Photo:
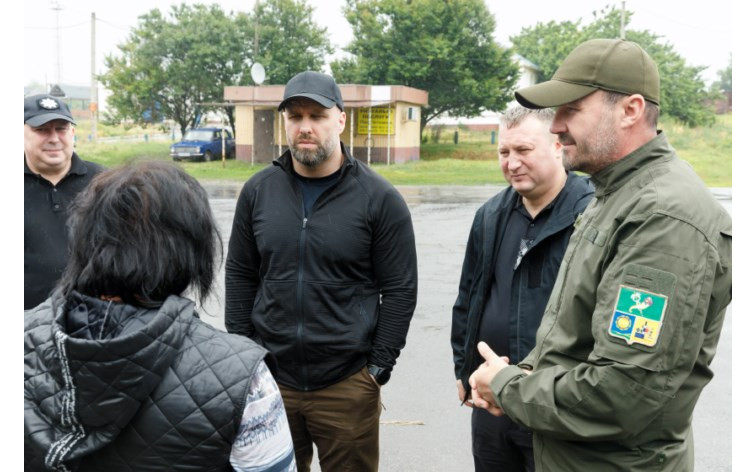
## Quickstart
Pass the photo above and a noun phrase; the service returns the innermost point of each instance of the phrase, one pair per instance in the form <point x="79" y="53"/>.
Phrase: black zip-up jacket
<point x="326" y="294"/>
<point x="532" y="281"/>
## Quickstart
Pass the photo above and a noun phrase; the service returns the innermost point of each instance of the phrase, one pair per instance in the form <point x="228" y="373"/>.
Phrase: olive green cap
<point x="614" y="65"/>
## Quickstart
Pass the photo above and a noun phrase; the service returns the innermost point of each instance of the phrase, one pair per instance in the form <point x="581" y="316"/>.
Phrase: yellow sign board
<point x="379" y="119"/>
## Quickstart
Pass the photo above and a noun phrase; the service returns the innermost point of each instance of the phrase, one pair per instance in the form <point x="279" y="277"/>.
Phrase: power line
<point x="121" y="27"/>
<point x="702" y="28"/>
<point x="53" y="27"/>
<point x="99" y="20"/>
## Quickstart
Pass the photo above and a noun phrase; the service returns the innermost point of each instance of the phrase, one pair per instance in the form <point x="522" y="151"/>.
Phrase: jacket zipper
<point x="300" y="304"/>
<point x="300" y="285"/>
<point x="579" y="230"/>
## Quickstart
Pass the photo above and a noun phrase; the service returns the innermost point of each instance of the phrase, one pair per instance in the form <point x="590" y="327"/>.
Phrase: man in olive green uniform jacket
<point x="632" y="325"/>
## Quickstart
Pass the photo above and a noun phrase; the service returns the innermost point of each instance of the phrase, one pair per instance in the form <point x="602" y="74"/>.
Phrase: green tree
<point x="178" y="65"/>
<point x="289" y="41"/>
<point x="547" y="44"/>
<point x="683" y="91"/>
<point x="170" y="65"/>
<point x="446" y="48"/>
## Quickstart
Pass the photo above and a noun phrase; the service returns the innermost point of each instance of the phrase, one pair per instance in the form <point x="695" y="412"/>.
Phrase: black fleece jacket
<point x="326" y="294"/>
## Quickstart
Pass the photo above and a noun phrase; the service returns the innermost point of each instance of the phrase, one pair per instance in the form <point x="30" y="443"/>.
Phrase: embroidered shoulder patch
<point x="638" y="316"/>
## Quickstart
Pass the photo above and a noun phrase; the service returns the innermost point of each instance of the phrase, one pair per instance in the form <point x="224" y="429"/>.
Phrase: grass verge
<point x="708" y="150"/>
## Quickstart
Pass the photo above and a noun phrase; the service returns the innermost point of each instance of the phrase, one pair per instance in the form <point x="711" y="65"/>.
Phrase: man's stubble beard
<point x="315" y="157"/>
<point x="594" y="153"/>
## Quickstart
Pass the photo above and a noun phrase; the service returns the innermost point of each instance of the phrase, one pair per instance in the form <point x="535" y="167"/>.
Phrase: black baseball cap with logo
<point x="40" y="109"/>
<point x="614" y="65"/>
<point x="315" y="86"/>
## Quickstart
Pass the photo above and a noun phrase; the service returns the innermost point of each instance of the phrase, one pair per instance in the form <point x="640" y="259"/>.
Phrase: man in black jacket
<point x="516" y="245"/>
<point x="322" y="271"/>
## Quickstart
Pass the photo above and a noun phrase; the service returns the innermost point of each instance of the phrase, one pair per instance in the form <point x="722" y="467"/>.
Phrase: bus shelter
<point x="382" y="122"/>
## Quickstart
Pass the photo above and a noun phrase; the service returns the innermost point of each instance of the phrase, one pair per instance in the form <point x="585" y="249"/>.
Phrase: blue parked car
<point x="203" y="144"/>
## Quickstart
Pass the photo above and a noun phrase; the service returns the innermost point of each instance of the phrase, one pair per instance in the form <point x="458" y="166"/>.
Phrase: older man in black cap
<point x="53" y="176"/>
<point x="322" y="271"/>
<point x="632" y="325"/>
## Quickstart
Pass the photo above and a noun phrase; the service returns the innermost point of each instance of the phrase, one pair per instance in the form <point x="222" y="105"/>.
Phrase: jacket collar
<point x="617" y="174"/>
<point x="563" y="210"/>
<point x="285" y="160"/>
<point x="565" y="197"/>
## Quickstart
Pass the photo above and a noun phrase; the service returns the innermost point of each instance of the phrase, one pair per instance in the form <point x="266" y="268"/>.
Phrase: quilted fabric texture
<point x="115" y="387"/>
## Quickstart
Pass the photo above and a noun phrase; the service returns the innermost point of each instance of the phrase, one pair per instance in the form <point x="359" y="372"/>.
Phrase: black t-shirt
<point x="45" y="235"/>
<point x="517" y="239"/>
<point x="312" y="188"/>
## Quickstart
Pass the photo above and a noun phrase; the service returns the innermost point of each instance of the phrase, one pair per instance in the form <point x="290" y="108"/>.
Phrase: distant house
<point x="723" y="104"/>
<point x="528" y="72"/>
<point x="489" y="120"/>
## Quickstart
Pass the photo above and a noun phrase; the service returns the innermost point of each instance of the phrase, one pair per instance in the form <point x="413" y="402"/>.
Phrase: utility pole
<point x="254" y="144"/>
<point x="622" y="22"/>
<point x="257" y="4"/>
<point x="93" y="83"/>
<point x="57" y="8"/>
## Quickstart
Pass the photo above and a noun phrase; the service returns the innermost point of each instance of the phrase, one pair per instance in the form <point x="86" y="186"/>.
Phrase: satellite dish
<point x="258" y="73"/>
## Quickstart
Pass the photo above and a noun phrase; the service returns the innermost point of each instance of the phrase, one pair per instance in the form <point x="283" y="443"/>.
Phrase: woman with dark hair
<point x="119" y="371"/>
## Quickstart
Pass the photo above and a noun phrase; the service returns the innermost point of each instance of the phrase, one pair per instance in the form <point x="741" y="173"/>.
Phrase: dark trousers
<point x="342" y="421"/>
<point x="499" y="444"/>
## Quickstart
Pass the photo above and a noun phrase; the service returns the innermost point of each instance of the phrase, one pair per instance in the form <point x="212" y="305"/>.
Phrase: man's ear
<point x="342" y="122"/>
<point x="633" y="110"/>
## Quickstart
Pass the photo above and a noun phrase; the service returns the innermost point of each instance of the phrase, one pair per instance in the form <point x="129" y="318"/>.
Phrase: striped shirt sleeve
<point x="263" y="442"/>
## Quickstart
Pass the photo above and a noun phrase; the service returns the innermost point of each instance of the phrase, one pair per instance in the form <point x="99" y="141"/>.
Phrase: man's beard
<point x="595" y="152"/>
<point x="315" y="157"/>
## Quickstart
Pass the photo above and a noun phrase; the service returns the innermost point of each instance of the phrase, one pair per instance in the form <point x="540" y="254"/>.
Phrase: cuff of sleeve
<point x="378" y="362"/>
<point x="526" y="363"/>
<point x="505" y="375"/>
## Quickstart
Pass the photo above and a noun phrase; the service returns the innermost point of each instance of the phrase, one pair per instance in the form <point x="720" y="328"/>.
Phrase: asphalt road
<point x="423" y="428"/>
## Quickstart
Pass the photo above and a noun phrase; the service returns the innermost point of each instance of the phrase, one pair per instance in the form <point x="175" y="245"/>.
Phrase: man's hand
<point x="480" y="380"/>
<point x="462" y="394"/>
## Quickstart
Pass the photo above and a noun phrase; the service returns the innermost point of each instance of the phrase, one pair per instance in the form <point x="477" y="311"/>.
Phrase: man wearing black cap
<point x="322" y="271"/>
<point x="632" y="325"/>
<point x="53" y="176"/>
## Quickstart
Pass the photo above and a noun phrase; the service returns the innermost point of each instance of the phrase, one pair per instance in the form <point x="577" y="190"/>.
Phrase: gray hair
<point x="517" y="114"/>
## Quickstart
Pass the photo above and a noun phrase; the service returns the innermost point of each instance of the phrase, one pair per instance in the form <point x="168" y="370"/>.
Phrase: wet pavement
<point x="423" y="428"/>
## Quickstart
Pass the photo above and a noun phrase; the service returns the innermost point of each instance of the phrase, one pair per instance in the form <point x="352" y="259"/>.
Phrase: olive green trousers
<point x="341" y="420"/>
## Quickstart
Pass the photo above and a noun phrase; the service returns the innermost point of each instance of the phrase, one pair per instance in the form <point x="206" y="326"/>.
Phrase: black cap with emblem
<point x="39" y="109"/>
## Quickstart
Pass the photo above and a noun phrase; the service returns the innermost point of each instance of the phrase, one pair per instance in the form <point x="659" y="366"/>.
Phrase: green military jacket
<point x="632" y="325"/>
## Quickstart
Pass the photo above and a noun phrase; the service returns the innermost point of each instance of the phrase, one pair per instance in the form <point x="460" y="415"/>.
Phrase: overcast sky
<point x="702" y="35"/>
